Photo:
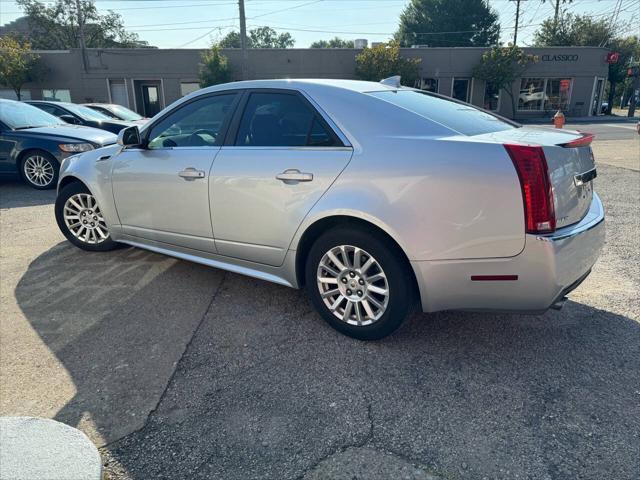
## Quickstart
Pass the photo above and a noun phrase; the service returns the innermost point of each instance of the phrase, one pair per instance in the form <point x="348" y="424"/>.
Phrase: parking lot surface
<point x="178" y="371"/>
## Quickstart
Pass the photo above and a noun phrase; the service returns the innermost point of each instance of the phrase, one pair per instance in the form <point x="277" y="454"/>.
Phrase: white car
<point x="372" y="196"/>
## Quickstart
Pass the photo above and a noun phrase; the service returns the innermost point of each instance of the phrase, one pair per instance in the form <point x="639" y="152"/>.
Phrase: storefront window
<point x="538" y="94"/>
<point x="491" y="96"/>
<point x="531" y="94"/>
<point x="558" y="94"/>
<point x="429" y="84"/>
<point x="188" y="87"/>
<point x="58" y="95"/>
<point x="460" y="89"/>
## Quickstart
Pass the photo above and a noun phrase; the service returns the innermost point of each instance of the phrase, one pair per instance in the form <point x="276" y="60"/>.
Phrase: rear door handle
<point x="294" y="175"/>
<point x="191" y="173"/>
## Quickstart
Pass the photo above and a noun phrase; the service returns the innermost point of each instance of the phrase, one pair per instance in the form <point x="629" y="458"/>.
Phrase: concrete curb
<point x="38" y="448"/>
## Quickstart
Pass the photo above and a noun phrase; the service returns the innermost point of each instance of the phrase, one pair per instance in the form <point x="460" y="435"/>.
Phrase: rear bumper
<point x="548" y="267"/>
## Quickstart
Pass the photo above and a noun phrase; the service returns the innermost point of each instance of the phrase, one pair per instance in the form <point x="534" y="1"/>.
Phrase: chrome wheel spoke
<point x="353" y="285"/>
<point x="84" y="219"/>
<point x="38" y="170"/>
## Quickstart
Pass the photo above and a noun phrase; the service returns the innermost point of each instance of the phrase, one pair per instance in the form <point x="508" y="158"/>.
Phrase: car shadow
<point x="266" y="389"/>
<point x="14" y="193"/>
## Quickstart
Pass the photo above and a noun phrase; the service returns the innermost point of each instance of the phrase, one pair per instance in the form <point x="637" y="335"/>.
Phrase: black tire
<point x="64" y="194"/>
<point x="50" y="165"/>
<point x="391" y="262"/>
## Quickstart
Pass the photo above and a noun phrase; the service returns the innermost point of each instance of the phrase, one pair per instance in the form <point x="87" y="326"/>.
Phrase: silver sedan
<point x="371" y="196"/>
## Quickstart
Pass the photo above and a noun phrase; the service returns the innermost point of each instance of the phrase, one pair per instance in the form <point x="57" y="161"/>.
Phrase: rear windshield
<point x="461" y="117"/>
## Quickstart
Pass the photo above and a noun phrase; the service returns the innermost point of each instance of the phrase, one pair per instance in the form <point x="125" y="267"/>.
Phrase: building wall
<point x="171" y="67"/>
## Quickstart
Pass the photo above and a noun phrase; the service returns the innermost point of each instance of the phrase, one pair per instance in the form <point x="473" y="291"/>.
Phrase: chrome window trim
<point x="319" y="149"/>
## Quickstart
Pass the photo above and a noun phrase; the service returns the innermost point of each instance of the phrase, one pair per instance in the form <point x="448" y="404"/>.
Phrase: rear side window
<point x="281" y="120"/>
<point x="460" y="117"/>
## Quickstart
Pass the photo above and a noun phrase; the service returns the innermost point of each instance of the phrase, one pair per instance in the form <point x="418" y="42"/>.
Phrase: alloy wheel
<point x="83" y="218"/>
<point x="353" y="285"/>
<point x="39" y="170"/>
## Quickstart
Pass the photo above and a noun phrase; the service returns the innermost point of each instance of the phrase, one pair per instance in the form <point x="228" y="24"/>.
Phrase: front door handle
<point x="191" y="173"/>
<point x="294" y="175"/>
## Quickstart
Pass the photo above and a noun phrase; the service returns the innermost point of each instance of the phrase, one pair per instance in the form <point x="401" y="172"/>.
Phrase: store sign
<point x="613" y="57"/>
<point x="559" y="58"/>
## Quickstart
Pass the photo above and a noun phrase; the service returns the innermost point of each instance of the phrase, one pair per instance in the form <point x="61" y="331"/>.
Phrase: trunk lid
<point x="572" y="189"/>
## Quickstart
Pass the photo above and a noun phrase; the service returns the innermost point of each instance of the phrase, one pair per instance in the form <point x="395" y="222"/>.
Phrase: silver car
<point x="371" y="196"/>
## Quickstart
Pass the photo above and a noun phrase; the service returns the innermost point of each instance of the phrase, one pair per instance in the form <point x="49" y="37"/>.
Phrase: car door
<point x="7" y="145"/>
<point x="161" y="191"/>
<point x="280" y="156"/>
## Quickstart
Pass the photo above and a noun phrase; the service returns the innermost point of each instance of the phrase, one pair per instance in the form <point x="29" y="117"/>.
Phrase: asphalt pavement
<point x="180" y="371"/>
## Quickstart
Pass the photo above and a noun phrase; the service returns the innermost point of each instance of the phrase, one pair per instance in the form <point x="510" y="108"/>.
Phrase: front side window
<point x="280" y="120"/>
<point x="196" y="124"/>
<point x="52" y="109"/>
<point x="491" y="96"/>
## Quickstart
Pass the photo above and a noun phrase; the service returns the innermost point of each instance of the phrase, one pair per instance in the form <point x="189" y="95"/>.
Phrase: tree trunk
<point x="18" y="93"/>
<point x="513" y="103"/>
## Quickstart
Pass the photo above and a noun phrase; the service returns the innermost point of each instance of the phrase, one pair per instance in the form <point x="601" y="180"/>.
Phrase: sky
<point x="197" y="23"/>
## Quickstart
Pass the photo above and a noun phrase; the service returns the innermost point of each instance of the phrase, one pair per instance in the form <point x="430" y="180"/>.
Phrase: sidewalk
<point x="619" y="153"/>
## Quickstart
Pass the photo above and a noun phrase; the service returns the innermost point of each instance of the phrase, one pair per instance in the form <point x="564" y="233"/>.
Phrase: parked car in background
<point x="33" y="143"/>
<point x="117" y="112"/>
<point x="80" y="115"/>
<point x="370" y="195"/>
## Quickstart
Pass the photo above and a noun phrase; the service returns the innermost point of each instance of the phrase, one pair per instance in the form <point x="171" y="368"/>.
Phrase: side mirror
<point x="70" y="119"/>
<point x="129" y="137"/>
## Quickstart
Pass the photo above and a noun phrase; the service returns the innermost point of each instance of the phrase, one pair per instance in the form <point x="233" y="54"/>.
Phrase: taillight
<point x="583" y="141"/>
<point x="537" y="193"/>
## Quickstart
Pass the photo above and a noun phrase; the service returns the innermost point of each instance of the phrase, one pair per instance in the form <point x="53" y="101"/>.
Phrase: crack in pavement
<point x="175" y="369"/>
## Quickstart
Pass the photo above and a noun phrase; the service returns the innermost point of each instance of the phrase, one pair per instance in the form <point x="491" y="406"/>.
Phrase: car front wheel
<point x="80" y="219"/>
<point x="40" y="170"/>
<point x="359" y="282"/>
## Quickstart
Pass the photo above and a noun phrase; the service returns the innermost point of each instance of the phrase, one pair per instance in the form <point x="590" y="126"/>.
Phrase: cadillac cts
<point x="371" y="196"/>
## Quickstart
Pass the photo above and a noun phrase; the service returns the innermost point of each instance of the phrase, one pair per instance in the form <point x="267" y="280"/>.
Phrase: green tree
<point x="383" y="61"/>
<point x="335" y="42"/>
<point x="502" y="66"/>
<point x="55" y="26"/>
<point x="18" y="64"/>
<point x="262" y="37"/>
<point x="628" y="48"/>
<point x="583" y="30"/>
<point x="214" y="68"/>
<point x="448" y="23"/>
<point x="575" y="30"/>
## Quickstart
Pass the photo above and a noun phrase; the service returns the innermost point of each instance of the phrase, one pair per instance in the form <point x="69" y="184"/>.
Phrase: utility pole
<point x="635" y="91"/>
<point x="243" y="41"/>
<point x="515" y="34"/>
<point x="81" y="40"/>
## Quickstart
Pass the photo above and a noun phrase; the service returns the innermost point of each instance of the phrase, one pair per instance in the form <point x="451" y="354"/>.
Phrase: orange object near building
<point x="558" y="119"/>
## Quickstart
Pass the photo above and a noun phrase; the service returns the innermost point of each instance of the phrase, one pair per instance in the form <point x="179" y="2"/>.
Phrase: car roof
<point x="54" y="102"/>
<point x="360" y="86"/>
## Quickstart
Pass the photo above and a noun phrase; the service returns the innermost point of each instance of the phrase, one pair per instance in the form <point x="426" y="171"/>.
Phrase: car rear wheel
<point x="80" y="219"/>
<point x="359" y="283"/>
<point x="40" y="170"/>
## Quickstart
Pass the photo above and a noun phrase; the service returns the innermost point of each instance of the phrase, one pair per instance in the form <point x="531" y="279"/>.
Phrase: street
<point x="176" y="370"/>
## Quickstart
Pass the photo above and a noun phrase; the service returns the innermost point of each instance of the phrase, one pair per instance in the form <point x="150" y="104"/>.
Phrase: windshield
<point x="124" y="113"/>
<point x="85" y="112"/>
<point x="20" y="115"/>
<point x="461" y="117"/>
